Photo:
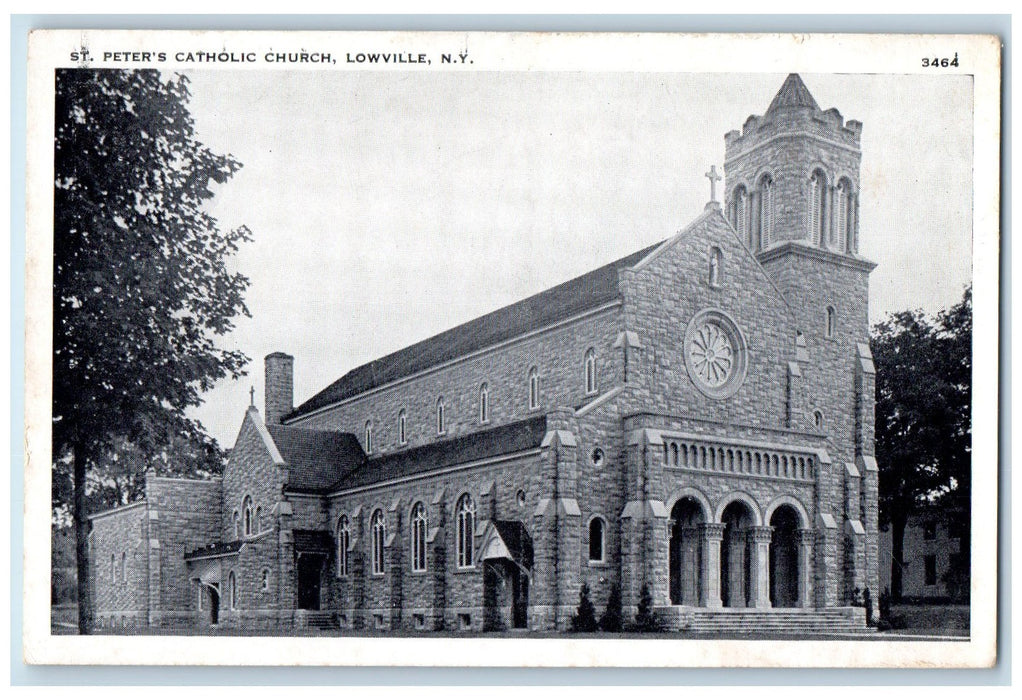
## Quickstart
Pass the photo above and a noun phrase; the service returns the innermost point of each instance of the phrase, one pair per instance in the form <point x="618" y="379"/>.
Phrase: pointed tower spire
<point x="793" y="93"/>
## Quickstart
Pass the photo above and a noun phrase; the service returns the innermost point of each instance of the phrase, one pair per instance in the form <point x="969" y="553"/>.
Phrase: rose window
<point x="715" y="354"/>
<point x="711" y="354"/>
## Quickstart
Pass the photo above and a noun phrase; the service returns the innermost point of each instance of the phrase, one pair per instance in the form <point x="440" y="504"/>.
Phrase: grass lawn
<point x="931" y="619"/>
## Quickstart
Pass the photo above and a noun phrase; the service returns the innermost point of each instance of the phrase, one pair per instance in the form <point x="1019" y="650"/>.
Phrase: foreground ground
<point x="915" y="622"/>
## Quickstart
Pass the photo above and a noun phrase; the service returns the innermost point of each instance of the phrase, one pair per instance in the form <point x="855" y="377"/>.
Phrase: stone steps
<point x="793" y="621"/>
<point x="321" y="620"/>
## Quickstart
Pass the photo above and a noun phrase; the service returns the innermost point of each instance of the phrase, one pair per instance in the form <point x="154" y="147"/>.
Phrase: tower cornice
<point x="798" y="248"/>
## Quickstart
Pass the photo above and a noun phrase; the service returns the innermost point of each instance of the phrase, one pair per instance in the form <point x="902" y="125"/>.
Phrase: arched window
<point x="264" y="580"/>
<point x="232" y="590"/>
<point x="831" y="321"/>
<point x="124" y="567"/>
<point x="237" y="525"/>
<point x="113" y="568"/>
<point x="740" y="212"/>
<point x="484" y="403"/>
<point x="597" y="531"/>
<point x="343" y="542"/>
<point x="369" y="437"/>
<point x="419" y="537"/>
<point x="258" y="525"/>
<point x="441" y="426"/>
<point x="766" y="211"/>
<point x="402" y="421"/>
<point x="466" y="511"/>
<point x="817" y="187"/>
<point x="842" y="216"/>
<point x="818" y="419"/>
<point x="533" y="388"/>
<point x="379" y="532"/>
<point x="715" y="275"/>
<point x="246" y="509"/>
<point x="590" y="369"/>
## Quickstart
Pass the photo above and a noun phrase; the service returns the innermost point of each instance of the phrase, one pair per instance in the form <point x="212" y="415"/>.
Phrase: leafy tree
<point x="923" y="418"/>
<point x="141" y="287"/>
<point x="612" y="618"/>
<point x="584" y="619"/>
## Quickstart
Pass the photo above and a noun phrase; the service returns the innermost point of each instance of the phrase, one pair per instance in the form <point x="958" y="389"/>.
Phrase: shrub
<point x="611" y="620"/>
<point x="584" y="619"/>
<point x="885" y="604"/>
<point x="867" y="600"/>
<point x="645" y="620"/>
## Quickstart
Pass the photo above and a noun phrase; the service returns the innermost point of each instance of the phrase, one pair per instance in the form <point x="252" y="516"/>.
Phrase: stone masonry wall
<point x="601" y="493"/>
<point x="250" y="472"/>
<point x="813" y="282"/>
<point x="494" y="490"/>
<point x="119" y="601"/>
<point x="183" y="514"/>
<point x="558" y="355"/>
<point x="664" y="295"/>
<point x="789" y="149"/>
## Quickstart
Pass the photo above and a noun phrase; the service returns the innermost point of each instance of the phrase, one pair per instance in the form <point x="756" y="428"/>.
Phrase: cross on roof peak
<point x="714" y="178"/>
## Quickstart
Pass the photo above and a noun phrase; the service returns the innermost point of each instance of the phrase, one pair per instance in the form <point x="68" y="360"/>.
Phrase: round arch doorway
<point x="686" y="586"/>
<point x="785" y="522"/>
<point x="734" y="555"/>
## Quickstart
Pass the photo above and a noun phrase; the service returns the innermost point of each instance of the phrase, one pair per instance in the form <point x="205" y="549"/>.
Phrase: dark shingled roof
<point x="563" y="301"/>
<point x="313" y="541"/>
<point x="217" y="549"/>
<point x="504" y="439"/>
<point x="517" y="539"/>
<point x="793" y="93"/>
<point x="315" y="458"/>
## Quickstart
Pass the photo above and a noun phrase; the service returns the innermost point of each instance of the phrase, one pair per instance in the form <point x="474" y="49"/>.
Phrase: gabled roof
<point x="516" y="538"/>
<point x="505" y="439"/>
<point x="315" y="458"/>
<point x="793" y="93"/>
<point x="558" y="303"/>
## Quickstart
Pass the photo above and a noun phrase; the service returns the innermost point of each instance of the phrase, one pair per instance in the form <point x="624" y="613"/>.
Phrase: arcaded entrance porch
<point x="731" y="560"/>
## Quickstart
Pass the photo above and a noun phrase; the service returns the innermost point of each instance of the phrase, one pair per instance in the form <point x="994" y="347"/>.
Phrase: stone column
<point x="805" y="539"/>
<point x="690" y="566"/>
<point x="712" y="534"/>
<point x="759" y="569"/>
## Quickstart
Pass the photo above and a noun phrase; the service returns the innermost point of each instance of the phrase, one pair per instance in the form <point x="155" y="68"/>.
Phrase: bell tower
<point x="792" y="174"/>
<point x="792" y="195"/>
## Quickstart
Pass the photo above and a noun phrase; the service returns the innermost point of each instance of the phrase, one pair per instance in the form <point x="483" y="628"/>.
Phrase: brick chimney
<point x="279" y="386"/>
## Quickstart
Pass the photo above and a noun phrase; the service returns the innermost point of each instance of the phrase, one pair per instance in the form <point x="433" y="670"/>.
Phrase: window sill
<point x="599" y="564"/>
<point x="465" y="570"/>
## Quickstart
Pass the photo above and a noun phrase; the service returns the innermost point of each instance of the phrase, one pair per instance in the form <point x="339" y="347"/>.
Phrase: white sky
<point x="387" y="207"/>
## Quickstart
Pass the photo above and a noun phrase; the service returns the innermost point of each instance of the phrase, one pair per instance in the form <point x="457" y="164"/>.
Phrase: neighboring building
<point x="695" y="418"/>
<point x="929" y="551"/>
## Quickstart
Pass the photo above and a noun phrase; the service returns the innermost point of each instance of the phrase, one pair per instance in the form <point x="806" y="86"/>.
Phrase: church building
<point x="694" y="420"/>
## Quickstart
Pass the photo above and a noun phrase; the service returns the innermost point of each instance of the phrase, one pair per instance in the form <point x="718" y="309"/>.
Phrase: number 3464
<point x="941" y="62"/>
